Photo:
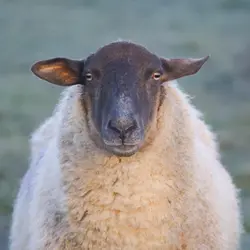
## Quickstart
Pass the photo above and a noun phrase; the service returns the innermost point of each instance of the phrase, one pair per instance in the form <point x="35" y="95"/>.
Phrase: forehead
<point x="123" y="53"/>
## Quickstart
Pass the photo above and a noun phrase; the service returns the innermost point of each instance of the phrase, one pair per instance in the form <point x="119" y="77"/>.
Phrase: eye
<point x="88" y="76"/>
<point x="156" y="76"/>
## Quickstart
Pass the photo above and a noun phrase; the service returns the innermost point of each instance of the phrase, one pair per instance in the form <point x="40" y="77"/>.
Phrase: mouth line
<point x="119" y="144"/>
<point x="122" y="149"/>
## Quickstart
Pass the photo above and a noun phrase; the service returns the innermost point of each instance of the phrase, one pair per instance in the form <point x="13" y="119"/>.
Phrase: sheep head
<point x="122" y="82"/>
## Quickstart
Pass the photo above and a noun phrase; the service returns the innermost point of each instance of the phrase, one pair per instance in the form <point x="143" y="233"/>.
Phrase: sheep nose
<point x="122" y="126"/>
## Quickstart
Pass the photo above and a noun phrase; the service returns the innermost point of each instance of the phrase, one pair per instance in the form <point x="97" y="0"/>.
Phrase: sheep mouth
<point x="123" y="150"/>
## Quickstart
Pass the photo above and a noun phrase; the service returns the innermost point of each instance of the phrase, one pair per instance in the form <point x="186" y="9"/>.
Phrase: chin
<point x="123" y="150"/>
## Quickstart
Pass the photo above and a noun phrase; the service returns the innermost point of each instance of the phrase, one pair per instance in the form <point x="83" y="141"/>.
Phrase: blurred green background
<point x="33" y="30"/>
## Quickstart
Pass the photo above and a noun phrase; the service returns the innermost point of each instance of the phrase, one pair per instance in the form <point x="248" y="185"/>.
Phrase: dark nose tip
<point x="122" y="126"/>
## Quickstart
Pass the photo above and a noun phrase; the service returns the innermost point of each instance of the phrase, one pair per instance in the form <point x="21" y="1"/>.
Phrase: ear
<point x="59" y="71"/>
<point x="179" y="67"/>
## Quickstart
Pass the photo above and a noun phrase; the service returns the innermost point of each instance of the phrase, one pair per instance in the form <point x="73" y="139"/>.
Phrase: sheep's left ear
<point x="180" y="67"/>
<point x="59" y="71"/>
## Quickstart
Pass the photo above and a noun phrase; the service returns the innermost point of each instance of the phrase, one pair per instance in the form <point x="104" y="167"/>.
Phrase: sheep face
<point x="122" y="83"/>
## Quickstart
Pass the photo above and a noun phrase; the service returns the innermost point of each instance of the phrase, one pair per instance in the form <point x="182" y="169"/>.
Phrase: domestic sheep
<point x="125" y="161"/>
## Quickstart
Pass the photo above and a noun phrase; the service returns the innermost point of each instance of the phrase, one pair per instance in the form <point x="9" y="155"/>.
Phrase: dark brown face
<point x="122" y="83"/>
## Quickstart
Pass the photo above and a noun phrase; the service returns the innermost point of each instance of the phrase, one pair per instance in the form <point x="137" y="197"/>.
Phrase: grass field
<point x="34" y="30"/>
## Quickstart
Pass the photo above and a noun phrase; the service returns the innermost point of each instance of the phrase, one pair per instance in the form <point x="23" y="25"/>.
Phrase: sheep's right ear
<point x="59" y="71"/>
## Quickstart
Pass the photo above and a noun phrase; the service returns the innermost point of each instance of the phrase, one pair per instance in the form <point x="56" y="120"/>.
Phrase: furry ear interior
<point x="59" y="71"/>
<point x="180" y="67"/>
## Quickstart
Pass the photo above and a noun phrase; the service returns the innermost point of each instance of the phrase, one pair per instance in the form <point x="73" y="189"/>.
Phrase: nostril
<point x="113" y="127"/>
<point x="131" y="127"/>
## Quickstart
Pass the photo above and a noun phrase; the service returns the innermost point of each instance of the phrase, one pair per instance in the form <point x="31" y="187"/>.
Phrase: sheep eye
<point x="88" y="76"/>
<point x="156" y="76"/>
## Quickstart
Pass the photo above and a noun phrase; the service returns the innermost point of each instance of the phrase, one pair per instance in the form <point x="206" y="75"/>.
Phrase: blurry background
<point x="33" y="30"/>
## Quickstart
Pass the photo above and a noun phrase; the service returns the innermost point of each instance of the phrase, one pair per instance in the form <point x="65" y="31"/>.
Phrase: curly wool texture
<point x="173" y="194"/>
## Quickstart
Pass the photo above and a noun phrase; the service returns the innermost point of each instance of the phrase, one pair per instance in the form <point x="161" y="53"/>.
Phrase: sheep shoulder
<point x="21" y="230"/>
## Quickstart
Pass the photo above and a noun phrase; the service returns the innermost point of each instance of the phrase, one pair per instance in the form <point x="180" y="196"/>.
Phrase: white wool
<point x="173" y="194"/>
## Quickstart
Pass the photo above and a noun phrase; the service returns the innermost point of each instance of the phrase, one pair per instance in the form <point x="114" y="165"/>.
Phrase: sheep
<point x="125" y="161"/>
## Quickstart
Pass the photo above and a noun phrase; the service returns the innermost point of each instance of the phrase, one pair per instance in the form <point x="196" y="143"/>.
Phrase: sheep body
<point x="173" y="194"/>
